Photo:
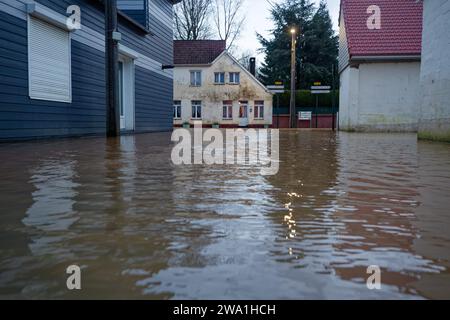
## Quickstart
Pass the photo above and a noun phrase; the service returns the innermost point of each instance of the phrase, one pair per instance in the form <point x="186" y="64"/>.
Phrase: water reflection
<point x="142" y="228"/>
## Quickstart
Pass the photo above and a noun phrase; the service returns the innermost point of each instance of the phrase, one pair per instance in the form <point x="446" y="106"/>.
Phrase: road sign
<point x="320" y="89"/>
<point x="276" y="88"/>
<point x="317" y="83"/>
<point x="305" y="115"/>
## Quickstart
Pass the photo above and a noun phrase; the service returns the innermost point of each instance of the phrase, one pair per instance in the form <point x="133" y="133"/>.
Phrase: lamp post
<point x="293" y="118"/>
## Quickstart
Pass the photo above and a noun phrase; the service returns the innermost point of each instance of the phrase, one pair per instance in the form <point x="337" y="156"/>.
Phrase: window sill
<point x="191" y="86"/>
<point x="234" y="84"/>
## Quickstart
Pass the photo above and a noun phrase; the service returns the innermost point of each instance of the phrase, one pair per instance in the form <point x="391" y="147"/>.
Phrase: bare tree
<point x="243" y="58"/>
<point x="191" y="19"/>
<point x="228" y="19"/>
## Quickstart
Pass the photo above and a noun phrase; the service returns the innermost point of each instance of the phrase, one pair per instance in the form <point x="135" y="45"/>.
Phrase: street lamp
<point x="293" y="118"/>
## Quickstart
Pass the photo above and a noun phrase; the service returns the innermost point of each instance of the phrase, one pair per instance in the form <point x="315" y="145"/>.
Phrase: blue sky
<point x="257" y="20"/>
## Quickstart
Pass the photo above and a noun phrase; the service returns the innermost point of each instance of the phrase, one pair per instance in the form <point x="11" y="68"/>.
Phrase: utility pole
<point x="293" y="117"/>
<point x="112" y="38"/>
<point x="333" y="114"/>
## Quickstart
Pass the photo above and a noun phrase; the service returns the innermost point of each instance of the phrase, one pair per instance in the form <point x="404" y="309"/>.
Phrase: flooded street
<point x="141" y="228"/>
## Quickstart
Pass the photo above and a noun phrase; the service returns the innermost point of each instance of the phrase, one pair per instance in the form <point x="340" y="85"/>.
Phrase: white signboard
<point x="320" y="89"/>
<point x="276" y="89"/>
<point x="305" y="115"/>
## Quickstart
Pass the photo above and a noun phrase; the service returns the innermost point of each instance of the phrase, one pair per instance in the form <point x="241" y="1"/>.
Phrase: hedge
<point x="305" y="100"/>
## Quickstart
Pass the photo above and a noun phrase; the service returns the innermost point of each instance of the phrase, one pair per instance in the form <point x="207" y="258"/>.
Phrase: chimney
<point x="253" y="66"/>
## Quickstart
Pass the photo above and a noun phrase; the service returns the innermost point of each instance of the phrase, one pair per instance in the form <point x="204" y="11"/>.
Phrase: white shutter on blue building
<point x="49" y="57"/>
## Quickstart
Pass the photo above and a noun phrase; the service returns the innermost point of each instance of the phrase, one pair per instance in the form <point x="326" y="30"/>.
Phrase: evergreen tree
<point x="317" y="46"/>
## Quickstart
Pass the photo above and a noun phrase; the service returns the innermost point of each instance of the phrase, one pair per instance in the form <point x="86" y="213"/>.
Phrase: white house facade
<point x="213" y="87"/>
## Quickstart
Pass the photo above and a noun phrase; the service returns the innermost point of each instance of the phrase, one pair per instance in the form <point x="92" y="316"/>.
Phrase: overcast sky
<point x="258" y="20"/>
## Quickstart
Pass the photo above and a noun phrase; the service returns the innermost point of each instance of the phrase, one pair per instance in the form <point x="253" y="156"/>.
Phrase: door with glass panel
<point x="243" y="113"/>
<point x="126" y="93"/>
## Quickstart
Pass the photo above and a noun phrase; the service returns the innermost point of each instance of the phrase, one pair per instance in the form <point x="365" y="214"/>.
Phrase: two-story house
<point x="211" y="86"/>
<point x="52" y="76"/>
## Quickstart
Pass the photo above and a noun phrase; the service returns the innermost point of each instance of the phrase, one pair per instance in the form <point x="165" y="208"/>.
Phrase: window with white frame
<point x="196" y="109"/>
<point x="177" y="109"/>
<point x="227" y="110"/>
<point x="235" y="77"/>
<point x="196" y="78"/>
<point x="49" y="57"/>
<point x="219" y="78"/>
<point x="259" y="109"/>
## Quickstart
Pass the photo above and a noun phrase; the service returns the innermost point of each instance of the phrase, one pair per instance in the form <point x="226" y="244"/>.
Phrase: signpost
<point x="317" y="89"/>
<point x="305" y="115"/>
<point x="276" y="89"/>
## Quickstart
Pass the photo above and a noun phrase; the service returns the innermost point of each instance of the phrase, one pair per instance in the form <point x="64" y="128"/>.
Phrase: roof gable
<point x="249" y="74"/>
<point x="400" y="33"/>
<point x="197" y="52"/>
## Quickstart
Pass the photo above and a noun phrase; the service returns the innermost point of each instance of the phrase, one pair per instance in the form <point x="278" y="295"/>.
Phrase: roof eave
<point x="392" y="57"/>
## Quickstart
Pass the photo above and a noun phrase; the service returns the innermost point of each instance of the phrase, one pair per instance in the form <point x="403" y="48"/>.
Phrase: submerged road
<point x="140" y="227"/>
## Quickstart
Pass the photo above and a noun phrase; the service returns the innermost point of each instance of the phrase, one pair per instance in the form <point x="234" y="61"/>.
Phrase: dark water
<point x="142" y="228"/>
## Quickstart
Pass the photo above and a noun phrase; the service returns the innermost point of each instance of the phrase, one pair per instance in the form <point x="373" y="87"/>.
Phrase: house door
<point x="243" y="113"/>
<point x="126" y="93"/>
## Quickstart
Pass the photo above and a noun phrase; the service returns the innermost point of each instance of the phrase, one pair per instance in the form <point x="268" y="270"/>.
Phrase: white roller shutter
<point x="49" y="62"/>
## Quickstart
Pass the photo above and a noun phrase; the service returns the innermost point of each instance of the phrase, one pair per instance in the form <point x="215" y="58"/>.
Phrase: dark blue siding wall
<point x="22" y="117"/>
<point x="158" y="46"/>
<point x="154" y="95"/>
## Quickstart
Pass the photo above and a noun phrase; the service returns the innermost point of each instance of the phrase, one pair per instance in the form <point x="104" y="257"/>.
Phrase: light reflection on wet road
<point x="143" y="228"/>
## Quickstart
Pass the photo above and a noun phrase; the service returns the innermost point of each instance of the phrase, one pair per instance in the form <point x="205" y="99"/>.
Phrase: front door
<point x="126" y="93"/>
<point x="243" y="113"/>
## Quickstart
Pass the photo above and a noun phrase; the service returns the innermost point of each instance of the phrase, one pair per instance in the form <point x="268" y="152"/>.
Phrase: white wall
<point x="348" y="98"/>
<point x="212" y="95"/>
<point x="435" y="73"/>
<point x="380" y="97"/>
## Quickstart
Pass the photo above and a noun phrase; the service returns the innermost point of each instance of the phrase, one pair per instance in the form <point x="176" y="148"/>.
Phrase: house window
<point x="196" y="78"/>
<point x="196" y="109"/>
<point x="177" y="109"/>
<point x="259" y="109"/>
<point x="219" y="78"/>
<point x="243" y="109"/>
<point x="227" y="110"/>
<point x="49" y="65"/>
<point x="235" y="77"/>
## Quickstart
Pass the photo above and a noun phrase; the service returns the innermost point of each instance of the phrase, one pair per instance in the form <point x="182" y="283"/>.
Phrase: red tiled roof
<point x="400" y="33"/>
<point x="197" y="51"/>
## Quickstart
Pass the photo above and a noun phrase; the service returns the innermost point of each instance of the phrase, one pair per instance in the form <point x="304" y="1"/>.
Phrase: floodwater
<point x="141" y="228"/>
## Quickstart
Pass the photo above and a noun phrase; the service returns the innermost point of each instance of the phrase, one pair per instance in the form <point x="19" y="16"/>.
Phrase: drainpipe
<point x="112" y="38"/>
